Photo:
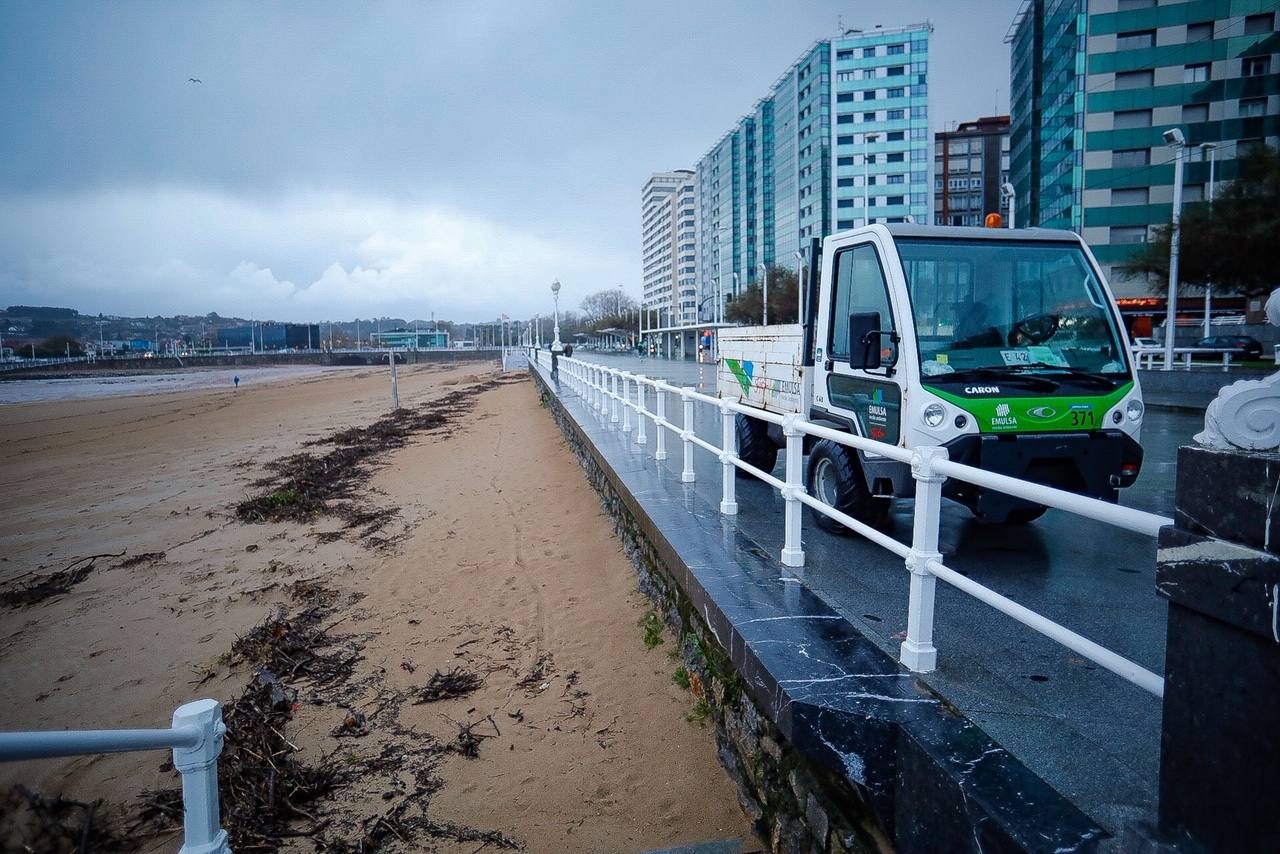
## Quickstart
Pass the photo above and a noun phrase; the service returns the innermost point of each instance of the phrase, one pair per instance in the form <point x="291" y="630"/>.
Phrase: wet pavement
<point x="1090" y="734"/>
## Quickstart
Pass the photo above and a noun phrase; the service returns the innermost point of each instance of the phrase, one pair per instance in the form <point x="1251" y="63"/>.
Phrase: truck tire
<point x="754" y="445"/>
<point x="835" y="477"/>
<point x="1025" y="515"/>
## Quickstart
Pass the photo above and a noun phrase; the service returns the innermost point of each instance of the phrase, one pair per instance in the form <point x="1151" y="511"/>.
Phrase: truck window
<point x="1001" y="304"/>
<point x="860" y="286"/>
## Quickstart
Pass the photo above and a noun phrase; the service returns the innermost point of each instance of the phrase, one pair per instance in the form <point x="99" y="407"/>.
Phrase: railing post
<point x="597" y="384"/>
<point x="793" y="546"/>
<point x="660" y="437"/>
<point x="640" y="412"/>
<point x="626" y="404"/>
<point x="918" y="652"/>
<point x="199" y="768"/>
<point x="686" y="431"/>
<point x="728" y="450"/>
<point x="613" y="379"/>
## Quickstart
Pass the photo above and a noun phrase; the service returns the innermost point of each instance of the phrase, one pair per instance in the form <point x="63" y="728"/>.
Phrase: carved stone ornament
<point x="1246" y="414"/>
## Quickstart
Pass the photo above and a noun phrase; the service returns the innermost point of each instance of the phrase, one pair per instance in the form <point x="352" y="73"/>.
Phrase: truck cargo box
<point x="761" y="366"/>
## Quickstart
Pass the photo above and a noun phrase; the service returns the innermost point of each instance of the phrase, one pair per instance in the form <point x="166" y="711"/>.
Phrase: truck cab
<point x="1003" y="346"/>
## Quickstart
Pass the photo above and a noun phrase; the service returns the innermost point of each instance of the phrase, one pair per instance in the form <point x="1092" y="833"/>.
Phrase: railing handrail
<point x="195" y="736"/>
<point x="930" y="467"/>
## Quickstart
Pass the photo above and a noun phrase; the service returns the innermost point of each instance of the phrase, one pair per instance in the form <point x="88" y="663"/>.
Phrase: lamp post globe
<point x="556" y="346"/>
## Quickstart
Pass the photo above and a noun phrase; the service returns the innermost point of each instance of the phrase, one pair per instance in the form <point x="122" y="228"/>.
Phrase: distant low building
<point x="270" y="336"/>
<point x="409" y="339"/>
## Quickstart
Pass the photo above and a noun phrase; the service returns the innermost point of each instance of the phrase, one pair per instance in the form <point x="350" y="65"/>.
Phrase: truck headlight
<point x="1134" y="410"/>
<point x="934" y="414"/>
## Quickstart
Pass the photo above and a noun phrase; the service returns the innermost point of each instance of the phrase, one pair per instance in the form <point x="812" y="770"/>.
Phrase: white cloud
<point x="304" y="256"/>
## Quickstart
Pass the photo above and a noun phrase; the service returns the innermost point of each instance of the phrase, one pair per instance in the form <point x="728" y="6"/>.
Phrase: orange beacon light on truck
<point x="994" y="220"/>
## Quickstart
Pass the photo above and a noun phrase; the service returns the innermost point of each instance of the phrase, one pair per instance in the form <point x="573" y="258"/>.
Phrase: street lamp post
<point x="1175" y="140"/>
<point x="556" y="346"/>
<point x="1006" y="190"/>
<point x="764" y="272"/>
<point x="1211" y="149"/>
<point x="866" y="177"/>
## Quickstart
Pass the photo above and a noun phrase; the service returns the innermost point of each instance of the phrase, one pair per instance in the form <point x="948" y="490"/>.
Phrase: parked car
<point x="1146" y="343"/>
<point x="1242" y="346"/>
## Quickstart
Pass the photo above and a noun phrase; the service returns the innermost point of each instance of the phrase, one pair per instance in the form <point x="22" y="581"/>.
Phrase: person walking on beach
<point x="236" y="379"/>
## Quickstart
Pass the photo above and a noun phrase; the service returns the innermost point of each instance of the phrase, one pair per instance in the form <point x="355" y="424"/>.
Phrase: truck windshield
<point x="998" y="305"/>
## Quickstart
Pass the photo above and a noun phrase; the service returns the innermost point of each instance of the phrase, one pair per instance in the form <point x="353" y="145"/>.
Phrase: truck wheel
<point x="1025" y="515"/>
<point x="754" y="445"/>
<point x="835" y="477"/>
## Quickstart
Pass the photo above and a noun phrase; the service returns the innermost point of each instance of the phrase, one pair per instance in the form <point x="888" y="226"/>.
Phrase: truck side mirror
<point x="864" y="340"/>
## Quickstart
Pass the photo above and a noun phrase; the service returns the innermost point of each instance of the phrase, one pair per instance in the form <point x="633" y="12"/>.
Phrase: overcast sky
<point x="386" y="158"/>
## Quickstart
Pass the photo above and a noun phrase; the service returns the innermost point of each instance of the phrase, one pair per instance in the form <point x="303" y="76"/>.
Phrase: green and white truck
<point x="1003" y="346"/>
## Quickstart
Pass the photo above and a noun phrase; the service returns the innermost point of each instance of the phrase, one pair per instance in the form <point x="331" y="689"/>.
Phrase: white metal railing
<point x="1149" y="357"/>
<point x="606" y="390"/>
<point x="195" y="737"/>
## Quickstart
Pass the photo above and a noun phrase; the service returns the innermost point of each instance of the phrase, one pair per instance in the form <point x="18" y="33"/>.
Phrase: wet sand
<point x="503" y="564"/>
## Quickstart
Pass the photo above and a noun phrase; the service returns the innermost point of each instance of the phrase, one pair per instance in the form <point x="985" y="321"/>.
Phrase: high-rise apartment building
<point x="668" y="224"/>
<point x="1211" y="69"/>
<point x="970" y="164"/>
<point x="1095" y="83"/>
<point x="840" y="139"/>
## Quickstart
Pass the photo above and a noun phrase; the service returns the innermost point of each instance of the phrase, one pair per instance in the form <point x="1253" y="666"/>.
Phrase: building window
<point x="844" y="203"/>
<point x="844" y="182"/>
<point x="1131" y="5"/>
<point x="844" y="54"/>
<point x="844" y="97"/>
<point x="868" y="52"/>
<point x="846" y="119"/>
<point x="1255" y="66"/>
<point x="844" y="140"/>
<point x="1135" y="79"/>
<point x="894" y="157"/>
<point x="1252" y="107"/>
<point x="1201" y="32"/>
<point x="894" y="115"/>
<point x="1195" y="73"/>
<point x="895" y="49"/>
<point x="895" y="136"/>
<point x="1136" y="40"/>
<point x="1128" y="234"/>
<point x="1128" y="158"/>
<point x="1195" y="113"/>
<point x="1193" y="192"/>
<point x="869" y="95"/>
<point x="871" y="158"/>
<point x="844" y="161"/>
<point x="868" y="117"/>
<point x="896" y="92"/>
<point x="897" y="179"/>
<point x="897" y="70"/>
<point x="1259" y="25"/>
<point x="1130" y="196"/>
<point x="895" y="200"/>
<point x="1125" y="119"/>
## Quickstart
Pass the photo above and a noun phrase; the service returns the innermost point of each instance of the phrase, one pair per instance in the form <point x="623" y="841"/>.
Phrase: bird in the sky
<point x="194" y="80"/>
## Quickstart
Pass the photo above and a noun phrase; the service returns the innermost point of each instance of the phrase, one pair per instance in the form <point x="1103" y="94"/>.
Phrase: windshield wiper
<point x="1087" y="377"/>
<point x="1006" y="374"/>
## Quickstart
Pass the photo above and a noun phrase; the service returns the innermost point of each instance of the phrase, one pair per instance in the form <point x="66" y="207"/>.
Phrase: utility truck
<point x="1003" y="346"/>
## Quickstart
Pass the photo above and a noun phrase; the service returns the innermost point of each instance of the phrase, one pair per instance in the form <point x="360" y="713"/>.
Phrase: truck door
<point x="870" y="399"/>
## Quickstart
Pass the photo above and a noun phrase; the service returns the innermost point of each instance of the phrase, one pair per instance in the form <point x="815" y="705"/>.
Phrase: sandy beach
<point x="490" y="683"/>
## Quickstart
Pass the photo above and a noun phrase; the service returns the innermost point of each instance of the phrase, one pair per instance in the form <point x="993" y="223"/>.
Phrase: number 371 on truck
<point x="1003" y="346"/>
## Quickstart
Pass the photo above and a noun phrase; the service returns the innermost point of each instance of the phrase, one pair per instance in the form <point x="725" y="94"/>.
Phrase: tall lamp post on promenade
<point x="1006" y="190"/>
<point x="556" y="346"/>
<point x="1174" y="138"/>
<point x="867" y="139"/>
<point x="764" y="271"/>
<point x="1211" y="149"/>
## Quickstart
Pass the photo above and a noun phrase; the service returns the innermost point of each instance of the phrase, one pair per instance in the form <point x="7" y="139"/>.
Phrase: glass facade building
<point x="842" y="137"/>
<point x="1094" y="85"/>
